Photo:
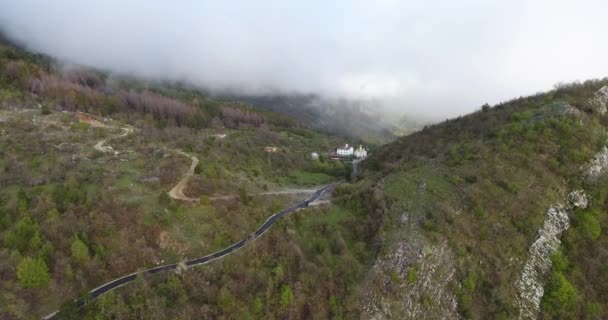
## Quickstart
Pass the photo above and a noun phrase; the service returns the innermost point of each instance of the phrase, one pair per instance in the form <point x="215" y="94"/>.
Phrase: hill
<point x="86" y="164"/>
<point x="477" y="207"/>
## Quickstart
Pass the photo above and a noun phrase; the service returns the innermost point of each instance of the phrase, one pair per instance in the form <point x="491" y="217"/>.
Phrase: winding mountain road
<point x="116" y="283"/>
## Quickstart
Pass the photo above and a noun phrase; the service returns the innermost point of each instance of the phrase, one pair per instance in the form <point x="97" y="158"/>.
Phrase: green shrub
<point x="560" y="296"/>
<point x="21" y="236"/>
<point x="286" y="296"/>
<point x="589" y="226"/>
<point x="412" y="274"/>
<point x="32" y="273"/>
<point x="79" y="250"/>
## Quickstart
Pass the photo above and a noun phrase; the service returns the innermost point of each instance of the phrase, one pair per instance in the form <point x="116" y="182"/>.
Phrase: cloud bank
<point x="436" y="58"/>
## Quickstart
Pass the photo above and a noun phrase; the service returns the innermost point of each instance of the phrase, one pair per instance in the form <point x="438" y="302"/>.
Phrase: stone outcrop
<point x="597" y="166"/>
<point x="389" y="294"/>
<point x="600" y="101"/>
<point x="531" y="283"/>
<point x="578" y="199"/>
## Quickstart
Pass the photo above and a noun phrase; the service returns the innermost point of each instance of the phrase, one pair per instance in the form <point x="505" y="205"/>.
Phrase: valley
<point x="127" y="198"/>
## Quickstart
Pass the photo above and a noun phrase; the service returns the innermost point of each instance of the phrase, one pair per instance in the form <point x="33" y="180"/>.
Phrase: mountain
<point x="499" y="214"/>
<point x="357" y="120"/>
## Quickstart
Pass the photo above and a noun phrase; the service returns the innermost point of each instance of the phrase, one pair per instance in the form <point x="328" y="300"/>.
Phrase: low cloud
<point x="433" y="58"/>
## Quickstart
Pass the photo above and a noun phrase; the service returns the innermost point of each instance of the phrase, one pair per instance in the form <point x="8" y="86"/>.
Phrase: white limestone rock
<point x="530" y="285"/>
<point x="597" y="166"/>
<point x="578" y="199"/>
<point x="600" y="101"/>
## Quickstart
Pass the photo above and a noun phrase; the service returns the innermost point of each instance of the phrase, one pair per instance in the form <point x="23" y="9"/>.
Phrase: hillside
<point x="477" y="206"/>
<point x="86" y="165"/>
<point x="499" y="214"/>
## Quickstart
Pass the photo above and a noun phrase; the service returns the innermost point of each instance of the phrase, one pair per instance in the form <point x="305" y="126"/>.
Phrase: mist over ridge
<point x="435" y="59"/>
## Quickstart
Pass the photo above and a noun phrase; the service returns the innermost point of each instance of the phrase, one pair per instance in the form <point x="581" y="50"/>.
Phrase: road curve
<point x="178" y="191"/>
<point x="116" y="283"/>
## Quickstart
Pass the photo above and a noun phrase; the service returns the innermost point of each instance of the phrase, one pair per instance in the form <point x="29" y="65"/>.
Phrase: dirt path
<point x="177" y="192"/>
<point x="280" y="192"/>
<point x="101" y="144"/>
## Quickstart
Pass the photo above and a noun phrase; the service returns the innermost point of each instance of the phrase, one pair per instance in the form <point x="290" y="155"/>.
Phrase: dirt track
<point x="101" y="144"/>
<point x="178" y="191"/>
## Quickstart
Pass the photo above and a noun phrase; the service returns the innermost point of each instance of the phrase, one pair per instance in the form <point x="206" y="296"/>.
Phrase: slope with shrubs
<point x="72" y="217"/>
<point x="466" y="199"/>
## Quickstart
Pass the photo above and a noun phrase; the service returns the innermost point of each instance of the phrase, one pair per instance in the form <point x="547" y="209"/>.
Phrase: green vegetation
<point x="578" y="282"/>
<point x="560" y="297"/>
<point x="84" y="217"/>
<point x="483" y="183"/>
<point x="32" y="273"/>
<point x="311" y="178"/>
<point x="72" y="217"/>
<point x="79" y="250"/>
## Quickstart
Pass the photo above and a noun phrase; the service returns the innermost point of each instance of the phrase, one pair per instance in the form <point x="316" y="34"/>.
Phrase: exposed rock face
<point x="578" y="199"/>
<point x="600" y="101"/>
<point x="597" y="166"/>
<point x="530" y="285"/>
<point x="389" y="294"/>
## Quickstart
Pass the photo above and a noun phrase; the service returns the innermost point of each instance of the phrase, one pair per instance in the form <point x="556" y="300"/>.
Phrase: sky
<point x="433" y="58"/>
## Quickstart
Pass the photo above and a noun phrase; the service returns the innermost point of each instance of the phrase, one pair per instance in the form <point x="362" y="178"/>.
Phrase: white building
<point x="345" y="151"/>
<point x="360" y="153"/>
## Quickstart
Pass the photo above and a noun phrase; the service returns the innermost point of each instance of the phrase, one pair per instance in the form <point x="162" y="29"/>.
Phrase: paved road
<point x="199" y="261"/>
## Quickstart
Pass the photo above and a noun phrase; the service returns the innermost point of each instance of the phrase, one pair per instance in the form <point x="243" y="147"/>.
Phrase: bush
<point x="286" y="296"/>
<point x="412" y="274"/>
<point x="589" y="226"/>
<point x="79" y="250"/>
<point x="32" y="273"/>
<point x="21" y="236"/>
<point x="560" y="296"/>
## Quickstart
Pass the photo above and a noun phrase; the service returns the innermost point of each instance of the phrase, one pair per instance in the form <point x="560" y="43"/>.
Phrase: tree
<point x="80" y="251"/>
<point x="258" y="307"/>
<point x="20" y="237"/>
<point x="286" y="296"/>
<point x="589" y="226"/>
<point x="560" y="297"/>
<point x="226" y="300"/>
<point x="32" y="273"/>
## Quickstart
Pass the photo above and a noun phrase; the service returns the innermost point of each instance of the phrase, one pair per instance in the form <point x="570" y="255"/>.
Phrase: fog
<point x="428" y="58"/>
